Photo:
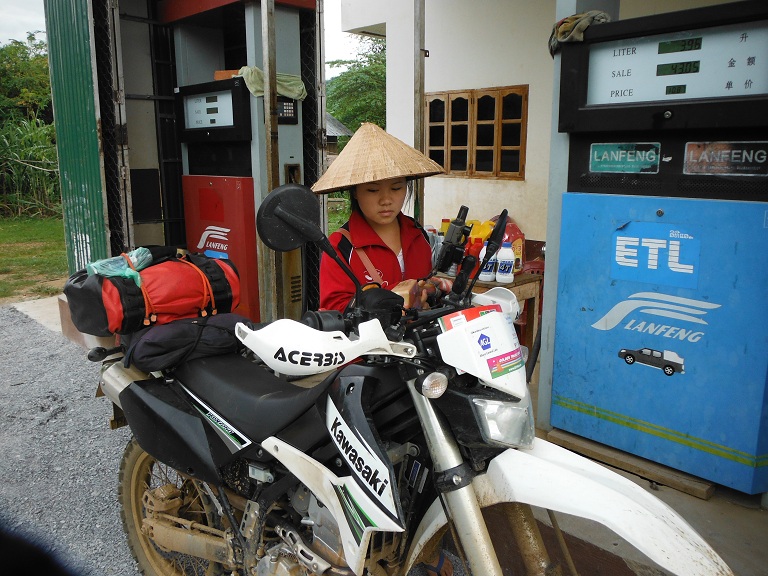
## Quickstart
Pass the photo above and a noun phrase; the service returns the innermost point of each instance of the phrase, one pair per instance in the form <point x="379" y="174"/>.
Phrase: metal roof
<point x="335" y="128"/>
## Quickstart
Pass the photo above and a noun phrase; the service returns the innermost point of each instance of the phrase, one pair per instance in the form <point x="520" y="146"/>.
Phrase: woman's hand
<point x="411" y="292"/>
<point x="415" y="293"/>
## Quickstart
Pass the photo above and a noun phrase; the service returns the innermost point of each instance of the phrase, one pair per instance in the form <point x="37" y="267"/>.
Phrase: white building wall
<point x="472" y="45"/>
<point x="637" y="8"/>
<point x="487" y="44"/>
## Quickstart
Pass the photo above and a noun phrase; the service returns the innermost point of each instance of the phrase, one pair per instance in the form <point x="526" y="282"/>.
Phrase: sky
<point x="17" y="17"/>
<point x="20" y="17"/>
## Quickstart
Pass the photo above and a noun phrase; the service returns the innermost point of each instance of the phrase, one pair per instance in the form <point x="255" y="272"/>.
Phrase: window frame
<point x="447" y="124"/>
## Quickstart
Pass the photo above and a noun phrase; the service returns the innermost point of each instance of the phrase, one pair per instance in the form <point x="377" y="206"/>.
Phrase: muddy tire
<point x="138" y="472"/>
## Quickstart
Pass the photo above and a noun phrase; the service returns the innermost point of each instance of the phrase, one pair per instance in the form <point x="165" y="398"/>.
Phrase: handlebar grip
<point x="324" y="320"/>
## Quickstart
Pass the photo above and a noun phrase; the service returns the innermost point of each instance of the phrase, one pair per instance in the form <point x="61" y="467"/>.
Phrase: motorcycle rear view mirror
<point x="286" y="218"/>
<point x="286" y="221"/>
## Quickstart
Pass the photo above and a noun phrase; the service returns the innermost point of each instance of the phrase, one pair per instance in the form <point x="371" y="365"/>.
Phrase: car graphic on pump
<point x="667" y="361"/>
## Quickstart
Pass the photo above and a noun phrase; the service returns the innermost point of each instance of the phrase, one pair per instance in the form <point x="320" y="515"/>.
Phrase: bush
<point x="29" y="179"/>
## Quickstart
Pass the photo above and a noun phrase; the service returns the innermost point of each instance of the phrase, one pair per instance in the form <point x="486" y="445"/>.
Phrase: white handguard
<point x="295" y="349"/>
<point x="504" y="297"/>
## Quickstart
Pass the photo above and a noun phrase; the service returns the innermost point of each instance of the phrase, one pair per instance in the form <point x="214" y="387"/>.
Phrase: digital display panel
<point x="723" y="62"/>
<point x="691" y="67"/>
<point x="676" y="89"/>
<point x="215" y="111"/>
<point x="696" y="68"/>
<point x="199" y="114"/>
<point x="682" y="45"/>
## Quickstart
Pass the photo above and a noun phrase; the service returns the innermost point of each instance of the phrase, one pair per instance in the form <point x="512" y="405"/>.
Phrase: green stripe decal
<point x="700" y="444"/>
<point x="357" y="519"/>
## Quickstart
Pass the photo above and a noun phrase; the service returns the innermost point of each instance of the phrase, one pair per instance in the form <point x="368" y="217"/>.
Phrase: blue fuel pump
<point x="661" y="346"/>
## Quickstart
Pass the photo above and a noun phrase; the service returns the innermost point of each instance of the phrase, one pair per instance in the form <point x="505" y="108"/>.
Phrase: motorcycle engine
<point x="325" y="531"/>
<point x="280" y="562"/>
<point x="282" y="559"/>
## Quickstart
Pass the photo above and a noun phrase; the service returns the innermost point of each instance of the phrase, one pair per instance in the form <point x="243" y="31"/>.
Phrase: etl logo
<point x="656" y="254"/>
<point x="484" y="341"/>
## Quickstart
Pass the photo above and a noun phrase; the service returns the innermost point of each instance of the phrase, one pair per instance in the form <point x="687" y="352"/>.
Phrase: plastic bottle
<point x="506" y="270"/>
<point x="118" y="265"/>
<point x="488" y="273"/>
<point x="515" y="236"/>
<point x="483" y="230"/>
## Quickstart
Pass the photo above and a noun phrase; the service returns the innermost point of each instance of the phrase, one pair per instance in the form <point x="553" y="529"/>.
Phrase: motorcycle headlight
<point x="505" y="423"/>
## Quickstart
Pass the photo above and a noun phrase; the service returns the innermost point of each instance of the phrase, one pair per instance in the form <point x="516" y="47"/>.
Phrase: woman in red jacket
<point x="380" y="243"/>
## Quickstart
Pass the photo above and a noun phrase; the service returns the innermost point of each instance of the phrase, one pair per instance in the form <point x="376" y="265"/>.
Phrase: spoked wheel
<point x="140" y="472"/>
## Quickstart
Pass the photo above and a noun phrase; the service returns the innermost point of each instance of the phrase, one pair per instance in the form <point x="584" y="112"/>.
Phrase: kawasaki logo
<point x="220" y="423"/>
<point x="212" y="233"/>
<point x="361" y="458"/>
<point x="371" y="476"/>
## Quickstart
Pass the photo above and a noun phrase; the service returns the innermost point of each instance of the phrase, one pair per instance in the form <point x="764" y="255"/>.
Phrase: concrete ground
<point x="734" y="524"/>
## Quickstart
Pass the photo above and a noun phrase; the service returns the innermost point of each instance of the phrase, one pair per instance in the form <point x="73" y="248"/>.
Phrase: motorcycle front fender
<point x="550" y="477"/>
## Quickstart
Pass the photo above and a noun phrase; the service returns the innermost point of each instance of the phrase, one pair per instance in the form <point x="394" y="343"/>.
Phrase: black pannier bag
<point x="164" y="346"/>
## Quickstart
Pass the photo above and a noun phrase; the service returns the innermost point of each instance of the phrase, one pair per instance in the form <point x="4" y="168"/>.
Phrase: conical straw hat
<point x="371" y="155"/>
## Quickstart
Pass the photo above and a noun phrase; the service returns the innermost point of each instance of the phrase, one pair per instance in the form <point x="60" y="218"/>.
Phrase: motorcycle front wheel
<point x="140" y="472"/>
<point x="531" y="547"/>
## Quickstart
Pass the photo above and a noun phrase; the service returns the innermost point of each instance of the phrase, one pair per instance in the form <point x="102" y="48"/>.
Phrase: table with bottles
<point x="527" y="289"/>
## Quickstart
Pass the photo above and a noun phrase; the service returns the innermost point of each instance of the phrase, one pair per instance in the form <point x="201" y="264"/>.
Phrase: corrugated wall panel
<point x="76" y="116"/>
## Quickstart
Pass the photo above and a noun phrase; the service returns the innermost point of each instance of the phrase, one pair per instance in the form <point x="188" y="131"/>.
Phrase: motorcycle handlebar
<point x="325" y="320"/>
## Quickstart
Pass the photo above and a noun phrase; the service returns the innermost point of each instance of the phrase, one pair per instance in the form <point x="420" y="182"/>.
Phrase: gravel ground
<point x="60" y="460"/>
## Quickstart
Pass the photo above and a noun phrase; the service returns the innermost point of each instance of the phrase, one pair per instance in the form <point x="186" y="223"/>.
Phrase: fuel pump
<point x="662" y="322"/>
<point x="222" y="130"/>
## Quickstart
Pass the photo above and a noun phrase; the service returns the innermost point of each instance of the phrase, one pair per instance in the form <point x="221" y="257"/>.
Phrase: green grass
<point x="338" y="214"/>
<point x="33" y="257"/>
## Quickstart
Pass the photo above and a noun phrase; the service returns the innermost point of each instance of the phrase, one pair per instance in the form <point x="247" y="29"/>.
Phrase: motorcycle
<point x="351" y="444"/>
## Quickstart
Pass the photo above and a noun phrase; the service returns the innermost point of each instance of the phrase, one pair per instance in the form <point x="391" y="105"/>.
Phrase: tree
<point x="25" y="88"/>
<point x="29" y="183"/>
<point x="359" y="94"/>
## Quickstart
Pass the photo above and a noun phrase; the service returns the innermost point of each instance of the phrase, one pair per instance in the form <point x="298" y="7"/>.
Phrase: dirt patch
<point x="33" y="291"/>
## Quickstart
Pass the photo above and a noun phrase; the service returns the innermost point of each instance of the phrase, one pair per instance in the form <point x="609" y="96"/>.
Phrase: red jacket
<point x="336" y="289"/>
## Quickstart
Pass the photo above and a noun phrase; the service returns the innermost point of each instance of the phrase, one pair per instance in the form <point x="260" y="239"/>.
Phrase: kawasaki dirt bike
<point x="353" y="443"/>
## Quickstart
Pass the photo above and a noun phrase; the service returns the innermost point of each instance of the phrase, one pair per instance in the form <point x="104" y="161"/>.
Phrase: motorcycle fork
<point x="464" y="509"/>
<point x="461" y="503"/>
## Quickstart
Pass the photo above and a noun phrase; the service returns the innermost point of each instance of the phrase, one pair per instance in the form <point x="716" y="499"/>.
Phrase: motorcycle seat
<point x="248" y="395"/>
